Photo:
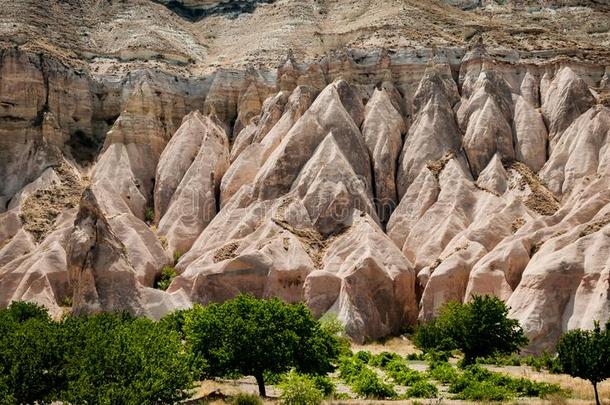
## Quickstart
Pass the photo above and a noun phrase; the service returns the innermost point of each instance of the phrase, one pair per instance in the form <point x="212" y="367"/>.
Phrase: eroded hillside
<point x="374" y="160"/>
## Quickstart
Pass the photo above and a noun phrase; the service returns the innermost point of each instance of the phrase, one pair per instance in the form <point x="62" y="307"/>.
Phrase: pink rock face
<point x="186" y="196"/>
<point x="373" y="186"/>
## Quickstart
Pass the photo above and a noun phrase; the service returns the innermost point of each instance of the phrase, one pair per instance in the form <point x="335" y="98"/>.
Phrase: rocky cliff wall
<point x="375" y="185"/>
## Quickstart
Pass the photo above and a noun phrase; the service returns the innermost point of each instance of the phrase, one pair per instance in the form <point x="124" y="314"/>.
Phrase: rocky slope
<point x="373" y="183"/>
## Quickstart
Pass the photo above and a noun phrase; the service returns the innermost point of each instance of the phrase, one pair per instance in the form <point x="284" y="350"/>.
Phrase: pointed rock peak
<point x="494" y="177"/>
<point x="492" y="83"/>
<point x="387" y="90"/>
<point x="289" y="62"/>
<point x="477" y="51"/>
<point x="89" y="208"/>
<point x="453" y="169"/>
<point x="435" y="87"/>
<point x="380" y="95"/>
<point x="300" y="99"/>
<point x="193" y="115"/>
<point x="567" y="97"/>
<point x="250" y="93"/>
<point x="351" y="99"/>
<point x="211" y="115"/>
<point x="328" y="154"/>
<point x="566" y="75"/>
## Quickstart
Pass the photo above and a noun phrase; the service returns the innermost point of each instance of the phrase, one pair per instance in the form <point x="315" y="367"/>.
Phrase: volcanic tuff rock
<point x="374" y="181"/>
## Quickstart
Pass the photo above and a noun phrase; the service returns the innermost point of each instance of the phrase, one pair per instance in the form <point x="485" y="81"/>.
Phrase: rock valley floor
<point x="372" y="182"/>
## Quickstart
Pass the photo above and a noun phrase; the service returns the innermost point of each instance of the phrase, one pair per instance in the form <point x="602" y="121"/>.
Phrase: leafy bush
<point x="20" y="311"/>
<point x="484" y="391"/>
<point x="149" y="215"/>
<point x="165" y="278"/>
<point x="325" y="384"/>
<point x="174" y="321"/>
<point x="364" y="356"/>
<point x="479" y="384"/>
<point x="350" y="368"/>
<point x="422" y="389"/>
<point x="398" y="370"/>
<point x="479" y="328"/>
<point x="286" y="336"/>
<point x="499" y="360"/>
<point x="436" y="356"/>
<point x="443" y="372"/>
<point x="246" y="399"/>
<point x="368" y="385"/>
<point x="299" y="389"/>
<point x="274" y="378"/>
<point x="546" y="361"/>
<point x="177" y="256"/>
<point x="383" y="358"/>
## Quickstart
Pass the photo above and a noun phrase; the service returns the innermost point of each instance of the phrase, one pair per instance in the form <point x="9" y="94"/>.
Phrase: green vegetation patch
<point x="165" y="278"/>
<point x="422" y="389"/>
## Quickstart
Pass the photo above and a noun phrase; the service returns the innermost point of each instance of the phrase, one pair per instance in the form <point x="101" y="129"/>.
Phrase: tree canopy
<point x="478" y="328"/>
<point x="98" y="359"/>
<point x="586" y="354"/>
<point x="249" y="336"/>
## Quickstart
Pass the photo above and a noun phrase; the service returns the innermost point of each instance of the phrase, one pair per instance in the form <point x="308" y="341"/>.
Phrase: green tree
<point x="249" y="336"/>
<point x="29" y="355"/>
<point x="586" y="354"/>
<point x="112" y="358"/>
<point x="478" y="328"/>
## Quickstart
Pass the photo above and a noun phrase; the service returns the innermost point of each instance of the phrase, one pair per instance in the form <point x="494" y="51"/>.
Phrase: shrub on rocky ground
<point x="325" y="384"/>
<point x="422" y="389"/>
<point x="398" y="370"/>
<point x="382" y="359"/>
<point x="165" y="278"/>
<point x="442" y="372"/>
<point x="368" y="385"/>
<point x="479" y="384"/>
<point x="300" y="389"/>
<point x="364" y="356"/>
